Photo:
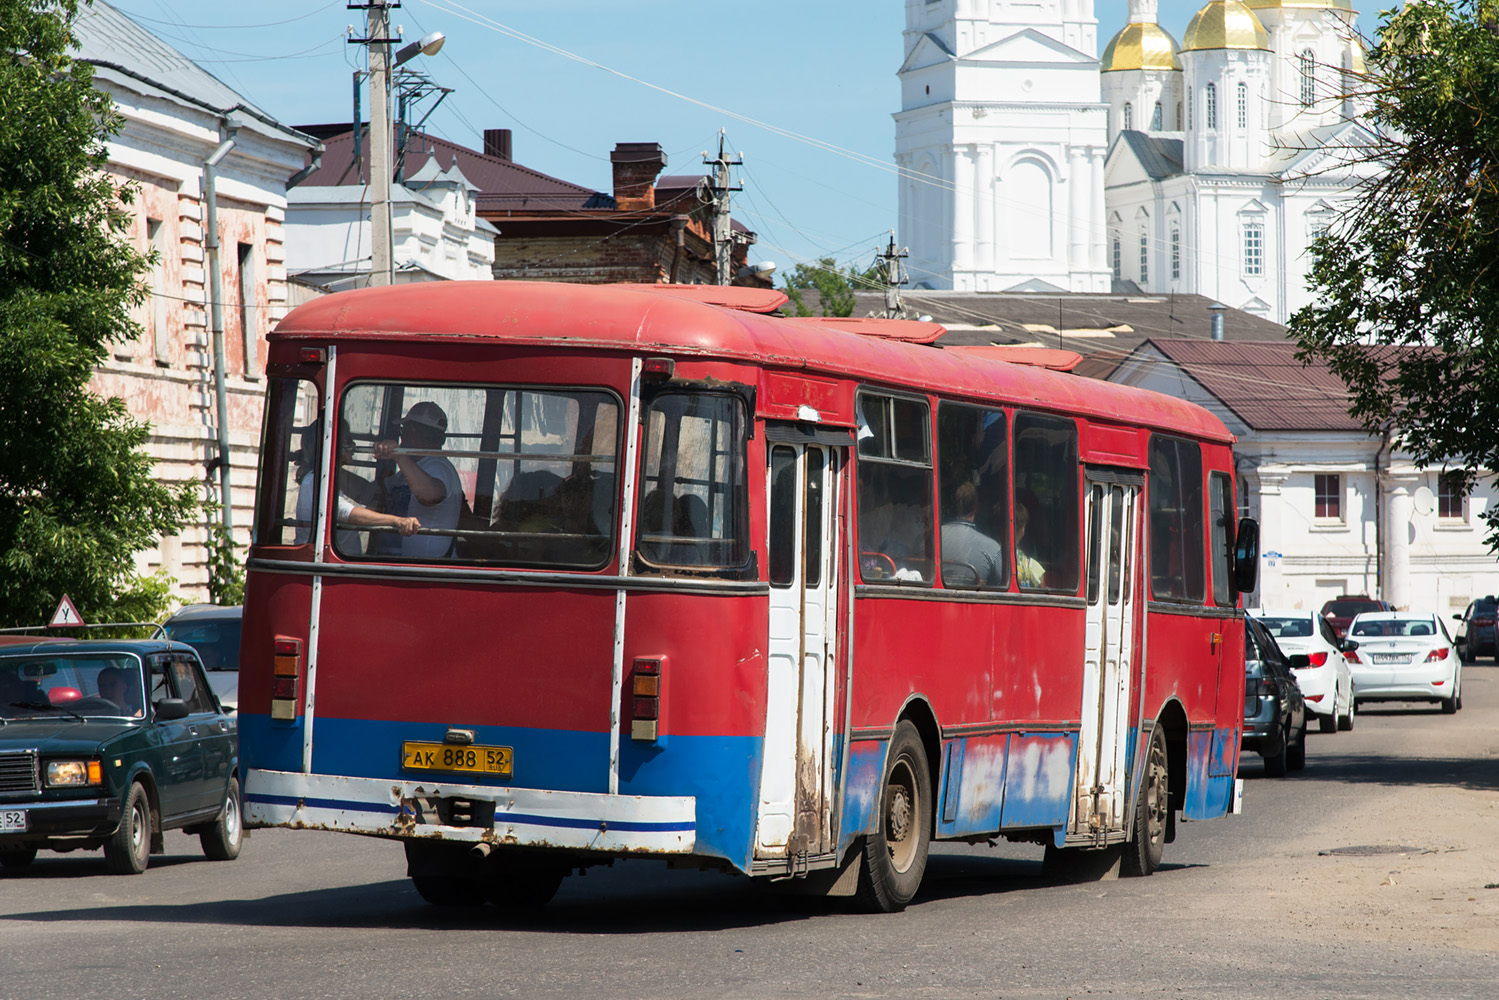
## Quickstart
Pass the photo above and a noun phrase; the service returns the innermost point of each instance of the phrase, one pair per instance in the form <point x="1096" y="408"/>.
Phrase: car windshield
<point x="1288" y="628"/>
<point x="216" y="640"/>
<point x="62" y="686"/>
<point x="1394" y="627"/>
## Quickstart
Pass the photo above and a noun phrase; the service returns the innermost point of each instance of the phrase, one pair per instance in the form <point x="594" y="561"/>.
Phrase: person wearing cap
<point x="350" y="509"/>
<point x="424" y="486"/>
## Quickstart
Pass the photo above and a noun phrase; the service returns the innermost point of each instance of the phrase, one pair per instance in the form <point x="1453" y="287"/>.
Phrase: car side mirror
<point x="1246" y="570"/>
<point x="171" y="708"/>
<point x="1457" y="618"/>
<point x="1347" y="645"/>
<point x="1299" y="660"/>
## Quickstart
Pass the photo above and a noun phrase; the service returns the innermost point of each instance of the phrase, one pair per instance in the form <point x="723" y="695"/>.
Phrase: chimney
<point x="1216" y="330"/>
<point x="497" y="143"/>
<point x="636" y="166"/>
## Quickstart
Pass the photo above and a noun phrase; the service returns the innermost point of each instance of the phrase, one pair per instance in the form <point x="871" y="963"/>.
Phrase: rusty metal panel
<point x="1038" y="779"/>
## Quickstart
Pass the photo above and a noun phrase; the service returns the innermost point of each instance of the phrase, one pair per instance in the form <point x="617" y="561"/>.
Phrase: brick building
<point x="176" y="117"/>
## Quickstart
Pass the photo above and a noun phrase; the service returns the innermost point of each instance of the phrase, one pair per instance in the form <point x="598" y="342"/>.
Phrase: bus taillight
<point x="646" y="675"/>
<point x="286" y="669"/>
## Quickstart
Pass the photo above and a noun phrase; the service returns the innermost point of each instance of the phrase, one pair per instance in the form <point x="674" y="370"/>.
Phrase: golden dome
<point x="1141" y="45"/>
<point x="1225" y="24"/>
<point x="1314" y="4"/>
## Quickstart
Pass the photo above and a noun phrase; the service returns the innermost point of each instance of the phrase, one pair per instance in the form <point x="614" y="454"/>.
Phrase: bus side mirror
<point x="1246" y="555"/>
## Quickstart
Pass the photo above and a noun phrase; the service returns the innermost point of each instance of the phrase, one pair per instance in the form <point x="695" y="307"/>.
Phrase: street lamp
<point x="428" y="45"/>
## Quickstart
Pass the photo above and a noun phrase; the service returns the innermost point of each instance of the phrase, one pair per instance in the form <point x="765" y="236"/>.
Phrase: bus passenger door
<point x="796" y="781"/>
<point x="1112" y="517"/>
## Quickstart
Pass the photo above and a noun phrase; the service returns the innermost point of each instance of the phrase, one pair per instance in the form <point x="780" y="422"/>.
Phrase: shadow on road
<point x="1475" y="774"/>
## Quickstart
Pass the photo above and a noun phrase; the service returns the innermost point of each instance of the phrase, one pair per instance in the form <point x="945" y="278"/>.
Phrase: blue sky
<point x="804" y="89"/>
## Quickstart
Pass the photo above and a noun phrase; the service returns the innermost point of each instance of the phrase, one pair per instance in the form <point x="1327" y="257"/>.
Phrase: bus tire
<point x="448" y="890"/>
<point x="523" y="883"/>
<point x="895" y="853"/>
<point x="1142" y="855"/>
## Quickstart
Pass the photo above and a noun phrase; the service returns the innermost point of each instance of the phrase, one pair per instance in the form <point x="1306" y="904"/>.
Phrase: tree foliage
<point x="77" y="495"/>
<point x="1407" y="284"/>
<point x="835" y="286"/>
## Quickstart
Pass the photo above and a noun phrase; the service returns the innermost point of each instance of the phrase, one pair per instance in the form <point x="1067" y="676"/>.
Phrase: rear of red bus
<point x="483" y="689"/>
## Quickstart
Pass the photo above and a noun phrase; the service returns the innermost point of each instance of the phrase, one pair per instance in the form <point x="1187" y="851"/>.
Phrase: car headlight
<point x="62" y="773"/>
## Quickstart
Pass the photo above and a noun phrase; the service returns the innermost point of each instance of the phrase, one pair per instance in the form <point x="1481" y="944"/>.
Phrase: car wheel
<point x="128" y="851"/>
<point x="1275" y="763"/>
<point x="17" y="857"/>
<point x="221" y="842"/>
<point x="1346" y="722"/>
<point x="1296" y="753"/>
<point x="895" y="853"/>
<point x="1152" y="811"/>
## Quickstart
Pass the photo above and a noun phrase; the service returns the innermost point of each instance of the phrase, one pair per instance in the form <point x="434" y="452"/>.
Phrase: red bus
<point x="547" y="575"/>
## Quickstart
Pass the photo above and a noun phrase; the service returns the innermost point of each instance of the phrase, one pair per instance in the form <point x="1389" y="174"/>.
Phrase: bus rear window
<point x="693" y="492"/>
<point x="492" y="474"/>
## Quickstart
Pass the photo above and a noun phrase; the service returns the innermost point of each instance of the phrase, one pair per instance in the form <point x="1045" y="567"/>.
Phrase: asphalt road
<point x="1248" y="906"/>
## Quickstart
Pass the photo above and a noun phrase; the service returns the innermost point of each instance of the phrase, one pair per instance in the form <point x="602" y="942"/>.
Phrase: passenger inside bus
<point x="353" y="493"/>
<point x="1028" y="570"/>
<point x="425" y="485"/>
<point x="969" y="557"/>
<point x="676" y="543"/>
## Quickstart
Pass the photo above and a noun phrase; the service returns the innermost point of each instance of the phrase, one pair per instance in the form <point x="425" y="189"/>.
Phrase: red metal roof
<point x="1262" y="382"/>
<point x="626" y="318"/>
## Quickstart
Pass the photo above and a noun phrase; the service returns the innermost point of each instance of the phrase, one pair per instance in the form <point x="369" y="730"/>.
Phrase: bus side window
<point x="1048" y="530"/>
<point x="287" y="497"/>
<point x="973" y="497"/>
<point x="1220" y="496"/>
<point x="1176" y="530"/>
<point x="895" y="489"/>
<point x="693" y="485"/>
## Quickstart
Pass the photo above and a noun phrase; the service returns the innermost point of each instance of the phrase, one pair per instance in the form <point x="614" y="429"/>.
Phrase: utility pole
<point x="723" y="233"/>
<point x="378" y="41"/>
<point x="895" y="276"/>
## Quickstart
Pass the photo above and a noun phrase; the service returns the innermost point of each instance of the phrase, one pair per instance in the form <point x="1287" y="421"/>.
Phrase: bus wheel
<point x="523" y="883"/>
<point x="1142" y="855"/>
<point x="448" y="890"/>
<point x="895" y="854"/>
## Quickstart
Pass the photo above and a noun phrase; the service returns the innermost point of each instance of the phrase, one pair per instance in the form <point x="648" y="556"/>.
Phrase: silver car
<point x="1404" y="656"/>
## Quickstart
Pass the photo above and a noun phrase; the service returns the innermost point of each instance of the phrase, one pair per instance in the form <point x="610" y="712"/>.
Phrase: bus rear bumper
<point x="525" y="817"/>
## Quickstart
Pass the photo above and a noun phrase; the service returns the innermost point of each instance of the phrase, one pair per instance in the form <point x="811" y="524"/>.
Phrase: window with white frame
<point x="1144" y="260"/>
<point x="1328" y="502"/>
<point x="1129" y="116"/>
<point x="1118" y="260"/>
<point x="1155" y="118"/>
<point x="1243" y="105"/>
<point x="1254" y="248"/>
<point x="1308" y="64"/>
<point x="1189" y="109"/>
<point x="1452" y="497"/>
<point x="1176" y="253"/>
<point x="1210" y="106"/>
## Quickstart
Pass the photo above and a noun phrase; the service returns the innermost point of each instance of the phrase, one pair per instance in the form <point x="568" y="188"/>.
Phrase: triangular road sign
<point x="66" y="616"/>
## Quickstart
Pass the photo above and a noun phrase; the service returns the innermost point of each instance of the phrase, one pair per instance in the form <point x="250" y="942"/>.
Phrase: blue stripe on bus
<point x="629" y="826"/>
<point x="721" y="772"/>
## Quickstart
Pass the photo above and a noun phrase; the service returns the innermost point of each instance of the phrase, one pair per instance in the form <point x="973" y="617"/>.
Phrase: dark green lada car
<point x="111" y="744"/>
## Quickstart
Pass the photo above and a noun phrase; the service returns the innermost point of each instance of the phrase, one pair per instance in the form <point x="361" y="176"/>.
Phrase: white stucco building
<point x="1225" y="155"/>
<point x="437" y="234"/>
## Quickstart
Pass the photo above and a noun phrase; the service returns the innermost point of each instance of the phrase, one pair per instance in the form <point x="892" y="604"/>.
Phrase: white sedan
<point x="1327" y="681"/>
<point x="1404" y="656"/>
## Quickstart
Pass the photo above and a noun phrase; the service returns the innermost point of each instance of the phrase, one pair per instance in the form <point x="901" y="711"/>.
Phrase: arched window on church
<point x="1243" y="104"/>
<point x="1144" y="261"/>
<point x="1129" y="116"/>
<point x="1178" y="116"/>
<point x="1189" y="108"/>
<point x="1176" y="253"/>
<point x="1155" y="118"/>
<point x="1210" y="106"/>
<point x="1308" y="60"/>
<point x="1118" y="260"/>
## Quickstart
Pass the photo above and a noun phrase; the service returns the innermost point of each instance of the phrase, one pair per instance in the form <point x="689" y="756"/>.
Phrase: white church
<point x="1030" y="164"/>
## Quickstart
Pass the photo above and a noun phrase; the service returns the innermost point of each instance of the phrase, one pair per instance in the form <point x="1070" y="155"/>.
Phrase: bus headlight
<point x="64" y="773"/>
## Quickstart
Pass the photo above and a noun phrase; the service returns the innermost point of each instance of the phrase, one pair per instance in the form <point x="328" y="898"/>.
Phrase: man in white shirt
<point x="425" y="485"/>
